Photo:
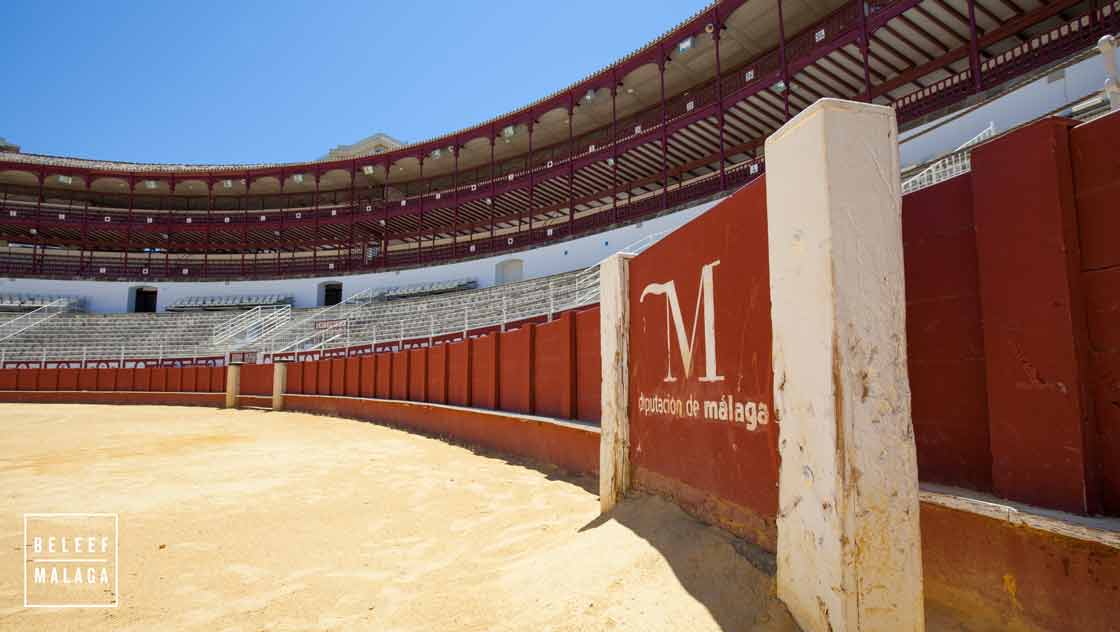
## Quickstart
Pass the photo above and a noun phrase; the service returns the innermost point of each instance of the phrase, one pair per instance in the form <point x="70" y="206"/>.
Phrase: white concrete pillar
<point x="849" y="547"/>
<point x="279" y="384"/>
<point x="614" y="334"/>
<point x="233" y="385"/>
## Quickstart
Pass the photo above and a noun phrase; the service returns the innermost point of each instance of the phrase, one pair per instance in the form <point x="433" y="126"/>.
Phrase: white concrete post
<point x="849" y="547"/>
<point x="614" y="332"/>
<point x="1107" y="46"/>
<point x="233" y="385"/>
<point x="279" y="384"/>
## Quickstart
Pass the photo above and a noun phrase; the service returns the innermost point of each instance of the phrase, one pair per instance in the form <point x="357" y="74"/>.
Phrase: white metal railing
<point x="950" y="166"/>
<point x="31" y="319"/>
<point x="252" y="324"/>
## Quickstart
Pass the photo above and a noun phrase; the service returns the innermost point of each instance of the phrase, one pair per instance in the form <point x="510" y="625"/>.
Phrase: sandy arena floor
<point x="248" y="520"/>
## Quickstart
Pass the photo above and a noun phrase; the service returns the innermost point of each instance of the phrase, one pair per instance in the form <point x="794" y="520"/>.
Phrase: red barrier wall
<point x="295" y="377"/>
<point x="353" y="377"/>
<point x="338" y="376"/>
<point x="589" y="369"/>
<point x="945" y="339"/>
<point x="484" y="371"/>
<point x="68" y="379"/>
<point x="400" y="375"/>
<point x="310" y="378"/>
<point x="417" y="375"/>
<point x="124" y="379"/>
<point x="323" y="377"/>
<point x="106" y="380"/>
<point x="707" y="439"/>
<point x="554" y="368"/>
<point x="384" y="376"/>
<point x="367" y="382"/>
<point x="256" y="379"/>
<point x="437" y="374"/>
<point x="1033" y="313"/>
<point x="158" y="379"/>
<point x="515" y="370"/>
<point x="1096" y="173"/>
<point x="190" y="379"/>
<point x="459" y="372"/>
<point x="9" y="379"/>
<point x="575" y="449"/>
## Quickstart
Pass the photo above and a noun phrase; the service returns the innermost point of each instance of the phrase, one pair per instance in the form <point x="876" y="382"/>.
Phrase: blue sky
<point x="278" y="81"/>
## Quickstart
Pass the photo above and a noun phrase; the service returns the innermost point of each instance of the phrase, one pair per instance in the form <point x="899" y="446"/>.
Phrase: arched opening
<point x="142" y="299"/>
<point x="330" y="293"/>
<point x="509" y="271"/>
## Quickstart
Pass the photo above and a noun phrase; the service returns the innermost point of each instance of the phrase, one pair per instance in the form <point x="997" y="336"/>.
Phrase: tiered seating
<point x="424" y="289"/>
<point x="214" y="303"/>
<point x="372" y="320"/>
<point x="109" y="336"/>
<point x="28" y="302"/>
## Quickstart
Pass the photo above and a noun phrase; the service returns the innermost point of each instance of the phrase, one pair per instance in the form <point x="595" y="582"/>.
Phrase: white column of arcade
<point x="849" y="547"/>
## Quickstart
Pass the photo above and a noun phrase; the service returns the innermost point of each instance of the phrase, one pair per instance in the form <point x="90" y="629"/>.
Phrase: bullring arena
<point x="802" y="316"/>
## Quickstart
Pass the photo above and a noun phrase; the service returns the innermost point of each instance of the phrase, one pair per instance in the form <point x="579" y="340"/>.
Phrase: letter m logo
<point x="705" y="301"/>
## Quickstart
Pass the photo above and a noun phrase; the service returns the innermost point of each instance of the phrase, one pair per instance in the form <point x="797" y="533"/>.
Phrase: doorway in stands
<point x="143" y="300"/>
<point x="330" y="293"/>
<point x="509" y="271"/>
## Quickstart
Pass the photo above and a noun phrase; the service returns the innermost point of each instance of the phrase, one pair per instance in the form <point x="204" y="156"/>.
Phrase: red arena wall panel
<point x="48" y="380"/>
<point x="484" y="371"/>
<point x="554" y="368"/>
<point x="202" y="379"/>
<point x="702" y="431"/>
<point x="459" y="372"/>
<point x="367" y="376"/>
<point x="157" y="380"/>
<point x="945" y="339"/>
<point x="218" y="380"/>
<point x="353" y="373"/>
<point x="1032" y="308"/>
<point x="417" y="375"/>
<point x="124" y="380"/>
<point x="384" y="389"/>
<point x="68" y="380"/>
<point x="515" y="370"/>
<point x="294" y="378"/>
<point x="310" y="377"/>
<point x="190" y="380"/>
<point x="323" y="377"/>
<point x="1096" y="172"/>
<point x="9" y="379"/>
<point x="589" y="369"/>
<point x="400" y="376"/>
<point x="107" y="379"/>
<point x="256" y="379"/>
<point x="437" y="374"/>
<point x="338" y="376"/>
<point x="174" y="380"/>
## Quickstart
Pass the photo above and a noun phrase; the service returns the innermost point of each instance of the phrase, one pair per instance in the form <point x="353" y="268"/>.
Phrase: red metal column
<point x="571" y="165"/>
<point x="719" y="98"/>
<point x="529" y="165"/>
<point x="782" y="56"/>
<point x="209" y="222"/>
<point x="245" y="226"/>
<point x="278" y="239"/>
<point x="661" y="61"/>
<point x="974" y="48"/>
<point x="865" y="47"/>
<point x="491" y="200"/>
<point x="455" y="187"/>
<point x="385" y="217"/>
<point x="42" y="177"/>
<point x="85" y="228"/>
<point x="128" y="226"/>
<point x="1035" y="327"/>
<point x="614" y="147"/>
<point x="315" y="247"/>
<point x="353" y="213"/>
<point x="420" y="225"/>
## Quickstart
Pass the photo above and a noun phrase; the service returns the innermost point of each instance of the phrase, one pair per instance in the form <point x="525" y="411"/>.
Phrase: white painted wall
<point x="112" y="296"/>
<point x="1025" y="104"/>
